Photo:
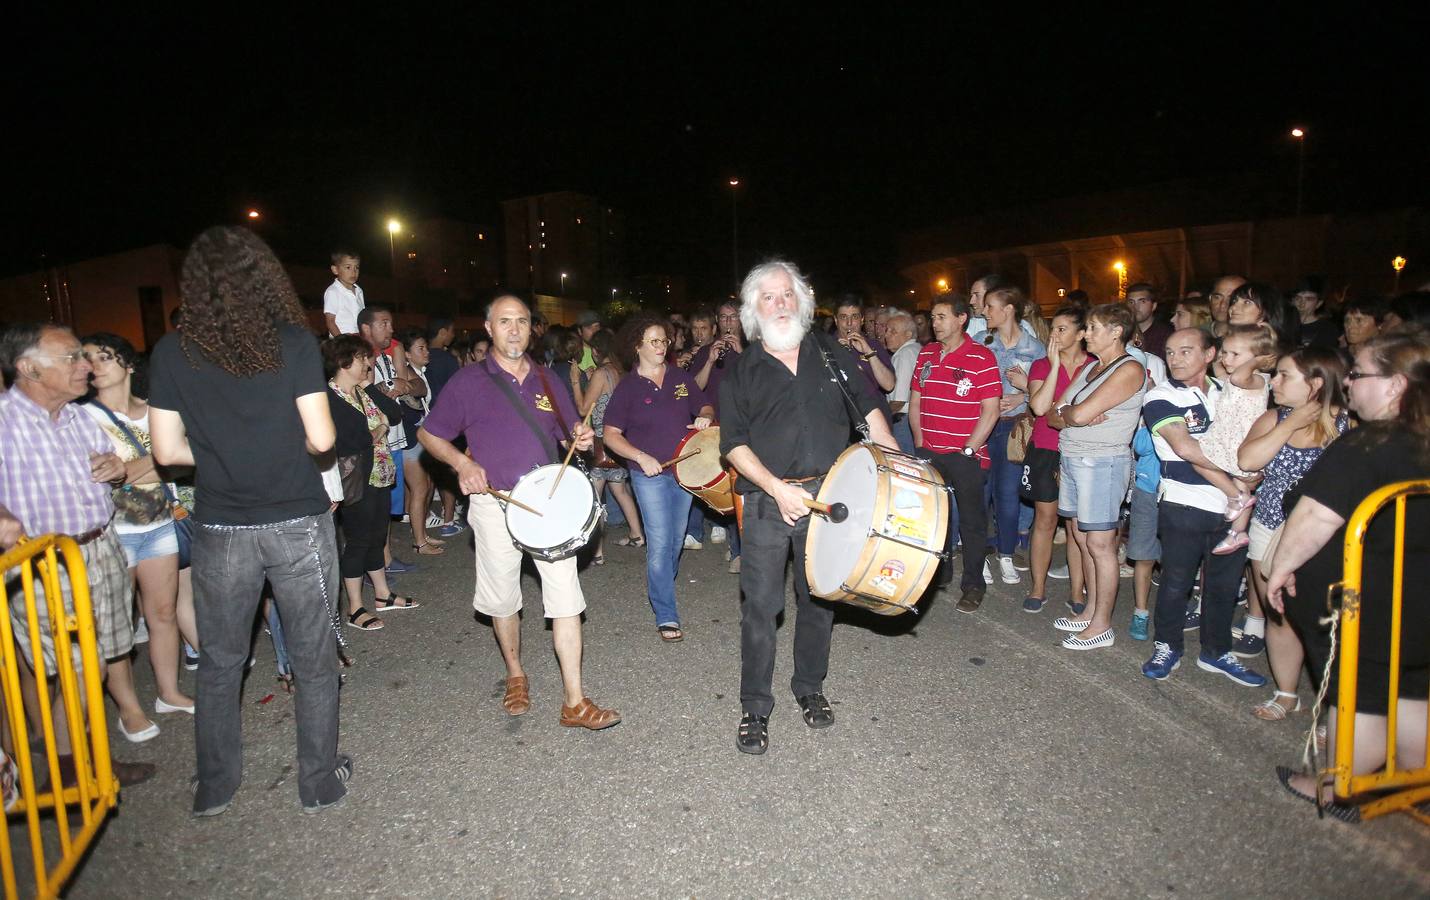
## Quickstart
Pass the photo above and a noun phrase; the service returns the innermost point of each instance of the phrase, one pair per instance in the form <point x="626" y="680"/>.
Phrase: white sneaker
<point x="434" y="520"/>
<point x="141" y="633"/>
<point x="1006" y="570"/>
<point x="987" y="572"/>
<point x="717" y="535"/>
<point x="1059" y="572"/>
<point x="692" y="544"/>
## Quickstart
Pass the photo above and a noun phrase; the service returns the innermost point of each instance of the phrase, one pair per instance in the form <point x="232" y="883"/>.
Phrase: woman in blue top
<point x="1309" y="413"/>
<point x="1016" y="351"/>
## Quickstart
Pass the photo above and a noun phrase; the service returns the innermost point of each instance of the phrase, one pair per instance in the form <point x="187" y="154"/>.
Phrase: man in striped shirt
<point x="953" y="406"/>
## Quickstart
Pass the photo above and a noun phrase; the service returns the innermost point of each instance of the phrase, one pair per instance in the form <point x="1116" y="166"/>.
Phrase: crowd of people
<point x="1212" y="445"/>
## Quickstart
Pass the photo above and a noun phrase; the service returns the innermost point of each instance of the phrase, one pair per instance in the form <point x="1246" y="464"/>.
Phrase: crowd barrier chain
<point x="1414" y="783"/>
<point x="91" y="791"/>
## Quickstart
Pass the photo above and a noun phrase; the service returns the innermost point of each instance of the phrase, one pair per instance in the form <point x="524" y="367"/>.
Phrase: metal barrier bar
<point x="1347" y="783"/>
<point x="95" y="791"/>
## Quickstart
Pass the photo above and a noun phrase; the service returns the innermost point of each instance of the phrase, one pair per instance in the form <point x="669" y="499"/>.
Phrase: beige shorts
<point x="1260" y="537"/>
<point x="498" y="591"/>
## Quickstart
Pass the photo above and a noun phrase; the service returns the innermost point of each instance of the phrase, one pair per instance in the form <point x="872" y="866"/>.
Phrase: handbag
<point x="1019" y="438"/>
<point x="353" y="479"/>
<point x="140" y="506"/>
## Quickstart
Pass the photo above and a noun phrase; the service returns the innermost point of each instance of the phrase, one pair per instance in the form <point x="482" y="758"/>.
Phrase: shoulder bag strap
<point x="137" y="444"/>
<point x="1102" y="376"/>
<point x="547" y="444"/>
<point x="840" y="379"/>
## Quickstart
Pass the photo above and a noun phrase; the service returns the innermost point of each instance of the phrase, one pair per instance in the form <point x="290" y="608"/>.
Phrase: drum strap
<point x="553" y="454"/>
<point x="841" y="379"/>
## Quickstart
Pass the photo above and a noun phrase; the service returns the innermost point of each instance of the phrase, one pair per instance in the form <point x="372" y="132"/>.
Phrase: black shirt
<point x="252" y="465"/>
<point x="1323" y="333"/>
<point x="796" y="424"/>
<point x="353" y="436"/>
<point x="441" y="365"/>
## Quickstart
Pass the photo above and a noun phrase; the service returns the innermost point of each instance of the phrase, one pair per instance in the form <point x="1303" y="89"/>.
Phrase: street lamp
<point x="563" y="284"/>
<point x="393" y="226"/>
<point x="942" y="285"/>
<point x="1121" y="268"/>
<point x="1300" y="135"/>
<point x="735" y="233"/>
<point x="1397" y="264"/>
<point x="253" y="214"/>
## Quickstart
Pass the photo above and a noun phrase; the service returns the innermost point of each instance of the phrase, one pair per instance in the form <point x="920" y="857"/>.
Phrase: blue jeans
<point x="903" y="433"/>
<point x="280" y="647"/>
<point x="665" y="510"/>
<point x="695" y="522"/>
<point x="300" y="560"/>
<point x="1003" y="480"/>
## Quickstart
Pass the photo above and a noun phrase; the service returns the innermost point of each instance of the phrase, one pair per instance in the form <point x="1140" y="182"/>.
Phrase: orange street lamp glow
<point x="1120" y="266"/>
<point x="1398" y="263"/>
<point x="942" y="284"/>
<point x="1297" y="133"/>
<point x="253" y="213"/>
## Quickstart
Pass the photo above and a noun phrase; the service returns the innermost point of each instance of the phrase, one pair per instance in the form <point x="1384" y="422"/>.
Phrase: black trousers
<point x="966" y="477"/>
<point x="365" y="531"/>
<point x="768" y="544"/>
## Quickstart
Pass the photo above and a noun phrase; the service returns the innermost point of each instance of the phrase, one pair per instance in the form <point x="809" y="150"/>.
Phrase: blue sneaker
<point x="398" y="567"/>
<point x="1248" y="646"/>
<point x="1194" y="620"/>
<point x="1138" y="629"/>
<point x="452" y="529"/>
<point x="1033" y="604"/>
<point x="1163" y="663"/>
<point x="1227" y="665"/>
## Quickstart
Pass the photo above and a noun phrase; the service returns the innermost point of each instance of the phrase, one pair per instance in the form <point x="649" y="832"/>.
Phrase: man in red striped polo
<point x="953" y="406"/>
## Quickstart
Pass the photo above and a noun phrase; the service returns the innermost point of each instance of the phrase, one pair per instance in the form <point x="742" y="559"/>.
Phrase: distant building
<point x="445" y="265"/>
<point x="659" y="293"/>
<point x="565" y="245"/>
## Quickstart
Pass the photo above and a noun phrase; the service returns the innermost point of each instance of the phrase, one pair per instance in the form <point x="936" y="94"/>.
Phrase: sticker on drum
<point x="568" y="518"/>
<point x="905" y="469"/>
<point x="887" y="581"/>
<point x="911" y="530"/>
<point x="903" y="487"/>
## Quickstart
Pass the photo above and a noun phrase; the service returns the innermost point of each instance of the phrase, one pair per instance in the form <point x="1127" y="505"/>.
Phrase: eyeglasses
<point x="71" y="358"/>
<point x="658" y="342"/>
<point x="1353" y="375"/>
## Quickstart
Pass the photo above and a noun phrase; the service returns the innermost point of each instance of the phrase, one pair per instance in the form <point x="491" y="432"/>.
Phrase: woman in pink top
<point x="1068" y="351"/>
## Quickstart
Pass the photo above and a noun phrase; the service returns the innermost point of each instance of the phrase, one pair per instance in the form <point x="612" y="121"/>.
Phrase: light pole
<point x="563" y="284"/>
<point x="1300" y="135"/>
<point x="1397" y="264"/>
<point x="735" y="233"/>
<point x="393" y="226"/>
<point x="1121" y="268"/>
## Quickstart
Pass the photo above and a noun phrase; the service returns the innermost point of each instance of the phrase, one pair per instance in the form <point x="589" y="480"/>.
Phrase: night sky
<point x="844" y="129"/>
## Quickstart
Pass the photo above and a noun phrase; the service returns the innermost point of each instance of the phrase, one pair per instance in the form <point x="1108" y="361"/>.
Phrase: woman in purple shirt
<point x="650" y="411"/>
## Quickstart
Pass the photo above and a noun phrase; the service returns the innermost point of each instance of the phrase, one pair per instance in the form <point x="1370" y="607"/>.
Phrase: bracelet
<point x="868" y="356"/>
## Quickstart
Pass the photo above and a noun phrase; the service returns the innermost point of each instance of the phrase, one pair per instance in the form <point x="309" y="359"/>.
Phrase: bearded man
<point x="784" y="421"/>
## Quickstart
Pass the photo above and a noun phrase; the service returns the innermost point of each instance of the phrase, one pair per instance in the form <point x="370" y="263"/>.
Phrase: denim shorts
<point x="143" y="545"/>
<point x="1142" y="540"/>
<point x="1092" y="489"/>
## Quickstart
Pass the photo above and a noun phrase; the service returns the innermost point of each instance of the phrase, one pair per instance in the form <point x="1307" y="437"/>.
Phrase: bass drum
<point x="885" y="553"/>
<point x="702" y="474"/>
<point x="568" y="518"/>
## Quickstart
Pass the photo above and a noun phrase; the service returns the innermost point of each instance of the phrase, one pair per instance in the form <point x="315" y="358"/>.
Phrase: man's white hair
<point x="750" y="295"/>
<point x="903" y="319"/>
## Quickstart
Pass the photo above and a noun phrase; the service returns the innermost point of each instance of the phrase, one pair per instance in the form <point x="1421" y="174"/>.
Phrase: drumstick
<point x="508" y="498"/>
<point x="569" y="453"/>
<point x="834" y="512"/>
<point x="670" y="462"/>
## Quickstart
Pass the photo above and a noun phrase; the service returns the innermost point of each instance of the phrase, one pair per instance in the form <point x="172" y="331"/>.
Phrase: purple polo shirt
<point x="717" y="372"/>
<point x="655" y="418"/>
<point x="498" y="438"/>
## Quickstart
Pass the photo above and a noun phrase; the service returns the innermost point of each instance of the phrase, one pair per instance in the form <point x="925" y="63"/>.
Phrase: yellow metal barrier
<point x="91" y="791"/>
<point x="1414" y="782"/>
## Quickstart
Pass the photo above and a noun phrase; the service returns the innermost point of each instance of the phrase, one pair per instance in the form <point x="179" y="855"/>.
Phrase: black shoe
<point x="817" y="712"/>
<point x="970" y="601"/>
<point x="754" y="734"/>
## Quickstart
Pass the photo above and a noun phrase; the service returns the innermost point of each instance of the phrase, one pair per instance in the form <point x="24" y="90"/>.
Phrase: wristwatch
<point x="868" y="356"/>
<point x="967" y="451"/>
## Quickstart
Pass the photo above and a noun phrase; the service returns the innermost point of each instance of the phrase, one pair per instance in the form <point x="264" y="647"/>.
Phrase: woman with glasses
<point x="654" y="406"/>
<point x="1389" y="390"/>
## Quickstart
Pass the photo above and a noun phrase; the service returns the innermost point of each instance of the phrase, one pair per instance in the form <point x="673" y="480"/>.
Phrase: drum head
<point x="834" y="548"/>
<point x="563" y="515"/>
<point x="705" y="467"/>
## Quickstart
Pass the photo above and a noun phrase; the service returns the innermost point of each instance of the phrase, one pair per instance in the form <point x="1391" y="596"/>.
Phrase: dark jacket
<point x="353" y="438"/>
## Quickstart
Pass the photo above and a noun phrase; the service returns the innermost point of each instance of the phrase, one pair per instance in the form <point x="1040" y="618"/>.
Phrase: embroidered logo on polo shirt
<point x="543" y="403"/>
<point x="680" y="391"/>
<point x="963" y="387"/>
<point x="924" y="376"/>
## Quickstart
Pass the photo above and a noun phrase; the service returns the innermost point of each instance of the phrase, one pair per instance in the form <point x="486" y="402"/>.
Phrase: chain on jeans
<point x="334" y="622"/>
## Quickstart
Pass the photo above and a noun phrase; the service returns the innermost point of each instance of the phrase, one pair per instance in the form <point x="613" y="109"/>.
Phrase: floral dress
<point x="384" y="469"/>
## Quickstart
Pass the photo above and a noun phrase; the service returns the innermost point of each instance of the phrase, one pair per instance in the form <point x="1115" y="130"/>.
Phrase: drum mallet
<point x="567" y="461"/>
<point x="684" y="456"/>
<point x="508" y="498"/>
<point x="834" y="512"/>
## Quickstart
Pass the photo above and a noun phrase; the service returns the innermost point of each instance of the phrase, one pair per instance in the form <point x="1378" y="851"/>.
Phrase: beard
<point x="780" y="336"/>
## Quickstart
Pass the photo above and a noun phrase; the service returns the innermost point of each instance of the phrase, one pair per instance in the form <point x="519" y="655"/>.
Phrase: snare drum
<point x="886" y="552"/>
<point x="567" y="520"/>
<point x="703" y="474"/>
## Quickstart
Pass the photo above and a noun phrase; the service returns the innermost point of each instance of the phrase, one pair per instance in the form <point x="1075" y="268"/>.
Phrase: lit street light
<point x="1300" y="135"/>
<point x="563" y="284"/>
<point x="735" y="233"/>
<point x="942" y="285"/>
<point x="1398" y="264"/>
<point x="253" y="214"/>
<point x="393" y="226"/>
<point x="1121" y="268"/>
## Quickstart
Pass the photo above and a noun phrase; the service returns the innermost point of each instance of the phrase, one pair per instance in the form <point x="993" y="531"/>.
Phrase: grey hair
<point x="898" y="315"/>
<point x="19" y="341"/>
<point x="750" y="295"/>
<point x="487" y="313"/>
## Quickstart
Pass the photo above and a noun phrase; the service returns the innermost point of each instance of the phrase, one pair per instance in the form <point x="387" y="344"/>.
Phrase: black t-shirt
<point x="252" y="465"/>
<point x="796" y="424"/>
<point x="1353" y="467"/>
<point x="1322" y="333"/>
<point x="441" y="366"/>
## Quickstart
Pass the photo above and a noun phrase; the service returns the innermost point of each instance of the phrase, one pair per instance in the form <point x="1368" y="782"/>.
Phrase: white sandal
<point x="1271" y="711"/>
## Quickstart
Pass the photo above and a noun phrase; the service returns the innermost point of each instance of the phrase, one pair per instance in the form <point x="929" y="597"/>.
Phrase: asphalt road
<point x="970" y="757"/>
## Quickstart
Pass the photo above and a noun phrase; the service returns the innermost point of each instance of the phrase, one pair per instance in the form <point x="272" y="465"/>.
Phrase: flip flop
<point x="1343" y="812"/>
<point x="671" y="633"/>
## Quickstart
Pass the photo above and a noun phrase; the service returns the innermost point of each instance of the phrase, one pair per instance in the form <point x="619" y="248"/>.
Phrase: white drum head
<point x="563" y="516"/>
<point x="834" y="549"/>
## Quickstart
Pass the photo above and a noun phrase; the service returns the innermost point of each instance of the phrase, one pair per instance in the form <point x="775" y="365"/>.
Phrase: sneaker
<point x="987" y="572"/>
<point x="1059" y="572"/>
<point x="141" y="631"/>
<point x="717" y="535"/>
<point x="1033" y="604"/>
<point x="191" y="658"/>
<point x="1248" y="646"/>
<point x="398" y="567"/>
<point x="1233" y="542"/>
<point x="1227" y="665"/>
<point x="342" y="773"/>
<point x="1193" y="622"/>
<point x="1007" y="571"/>
<point x="971" y="599"/>
<point x="1138" y="629"/>
<point x="449" y="529"/>
<point x="734" y="567"/>
<point x="692" y="544"/>
<point x="1020" y="560"/>
<point x="434" y="520"/>
<point x="1163" y="663"/>
<point x="1125" y="571"/>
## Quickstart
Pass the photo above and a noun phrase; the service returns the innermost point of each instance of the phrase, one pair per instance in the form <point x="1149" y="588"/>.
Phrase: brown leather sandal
<point x="588" y="715"/>
<point x="518" y="698"/>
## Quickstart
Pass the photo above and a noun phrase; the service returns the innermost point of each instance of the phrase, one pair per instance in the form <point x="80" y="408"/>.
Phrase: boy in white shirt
<point x="342" y="301"/>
